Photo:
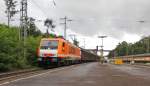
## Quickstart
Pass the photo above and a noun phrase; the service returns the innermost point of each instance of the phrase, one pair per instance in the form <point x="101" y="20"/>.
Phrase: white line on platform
<point x="134" y="65"/>
<point x="37" y="75"/>
<point x="141" y="66"/>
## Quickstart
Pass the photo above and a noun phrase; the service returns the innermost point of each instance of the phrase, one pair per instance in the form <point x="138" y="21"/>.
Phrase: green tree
<point x="140" y="47"/>
<point x="10" y="9"/>
<point x="49" y="24"/>
<point x="33" y="30"/>
<point x="11" y="49"/>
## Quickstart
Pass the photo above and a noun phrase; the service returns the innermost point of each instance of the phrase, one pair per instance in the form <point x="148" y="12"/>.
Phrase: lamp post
<point x="102" y="39"/>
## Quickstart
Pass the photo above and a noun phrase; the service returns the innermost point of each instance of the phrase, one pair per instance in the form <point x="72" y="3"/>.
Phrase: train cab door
<point x="63" y="47"/>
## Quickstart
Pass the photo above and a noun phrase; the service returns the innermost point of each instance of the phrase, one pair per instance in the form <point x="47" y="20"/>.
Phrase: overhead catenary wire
<point x="40" y="8"/>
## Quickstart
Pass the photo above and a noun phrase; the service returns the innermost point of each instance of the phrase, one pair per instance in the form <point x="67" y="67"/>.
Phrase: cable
<point x="44" y="12"/>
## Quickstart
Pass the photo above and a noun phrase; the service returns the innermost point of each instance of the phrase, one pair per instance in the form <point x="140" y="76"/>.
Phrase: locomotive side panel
<point x="58" y="51"/>
<point x="62" y="50"/>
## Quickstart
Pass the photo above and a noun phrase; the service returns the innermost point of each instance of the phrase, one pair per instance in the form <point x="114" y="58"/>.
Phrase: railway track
<point x="13" y="75"/>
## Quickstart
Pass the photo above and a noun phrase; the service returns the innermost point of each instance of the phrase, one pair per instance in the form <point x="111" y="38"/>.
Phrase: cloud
<point x="111" y="17"/>
<point x="91" y="17"/>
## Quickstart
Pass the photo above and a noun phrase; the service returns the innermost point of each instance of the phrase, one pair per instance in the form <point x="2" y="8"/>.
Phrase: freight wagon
<point x="87" y="56"/>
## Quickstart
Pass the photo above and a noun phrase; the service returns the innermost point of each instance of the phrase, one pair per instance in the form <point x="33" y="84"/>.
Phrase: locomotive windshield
<point x="49" y="44"/>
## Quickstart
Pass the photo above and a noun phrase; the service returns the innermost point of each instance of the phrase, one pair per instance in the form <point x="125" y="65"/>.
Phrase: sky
<point x="117" y="19"/>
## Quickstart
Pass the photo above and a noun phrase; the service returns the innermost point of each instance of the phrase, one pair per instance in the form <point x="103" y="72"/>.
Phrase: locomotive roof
<point x="62" y="39"/>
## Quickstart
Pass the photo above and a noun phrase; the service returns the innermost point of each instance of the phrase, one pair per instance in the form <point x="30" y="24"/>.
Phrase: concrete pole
<point x="102" y="37"/>
<point x="65" y="25"/>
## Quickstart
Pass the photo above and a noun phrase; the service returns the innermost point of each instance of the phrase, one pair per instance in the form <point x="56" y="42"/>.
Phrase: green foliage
<point x="33" y="30"/>
<point x="11" y="49"/>
<point x="49" y="24"/>
<point x="32" y="45"/>
<point x="11" y="7"/>
<point x="124" y="48"/>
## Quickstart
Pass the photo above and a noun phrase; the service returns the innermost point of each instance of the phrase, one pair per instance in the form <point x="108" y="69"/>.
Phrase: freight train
<point x="58" y="51"/>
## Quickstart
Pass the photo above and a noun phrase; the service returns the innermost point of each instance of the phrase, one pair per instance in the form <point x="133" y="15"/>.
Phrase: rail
<point x="10" y="75"/>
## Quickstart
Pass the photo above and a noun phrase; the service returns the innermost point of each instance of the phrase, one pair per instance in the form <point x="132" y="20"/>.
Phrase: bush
<point x="32" y="45"/>
<point x="12" y="49"/>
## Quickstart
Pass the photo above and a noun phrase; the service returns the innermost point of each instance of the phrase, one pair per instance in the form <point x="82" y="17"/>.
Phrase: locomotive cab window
<point x="49" y="44"/>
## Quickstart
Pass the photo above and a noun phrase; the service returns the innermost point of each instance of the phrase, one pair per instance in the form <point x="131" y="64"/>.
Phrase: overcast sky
<point x="118" y="19"/>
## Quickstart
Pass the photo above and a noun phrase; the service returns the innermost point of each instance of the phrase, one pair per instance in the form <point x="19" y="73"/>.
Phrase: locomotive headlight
<point x="43" y="55"/>
<point x="39" y="59"/>
<point x="54" y="59"/>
